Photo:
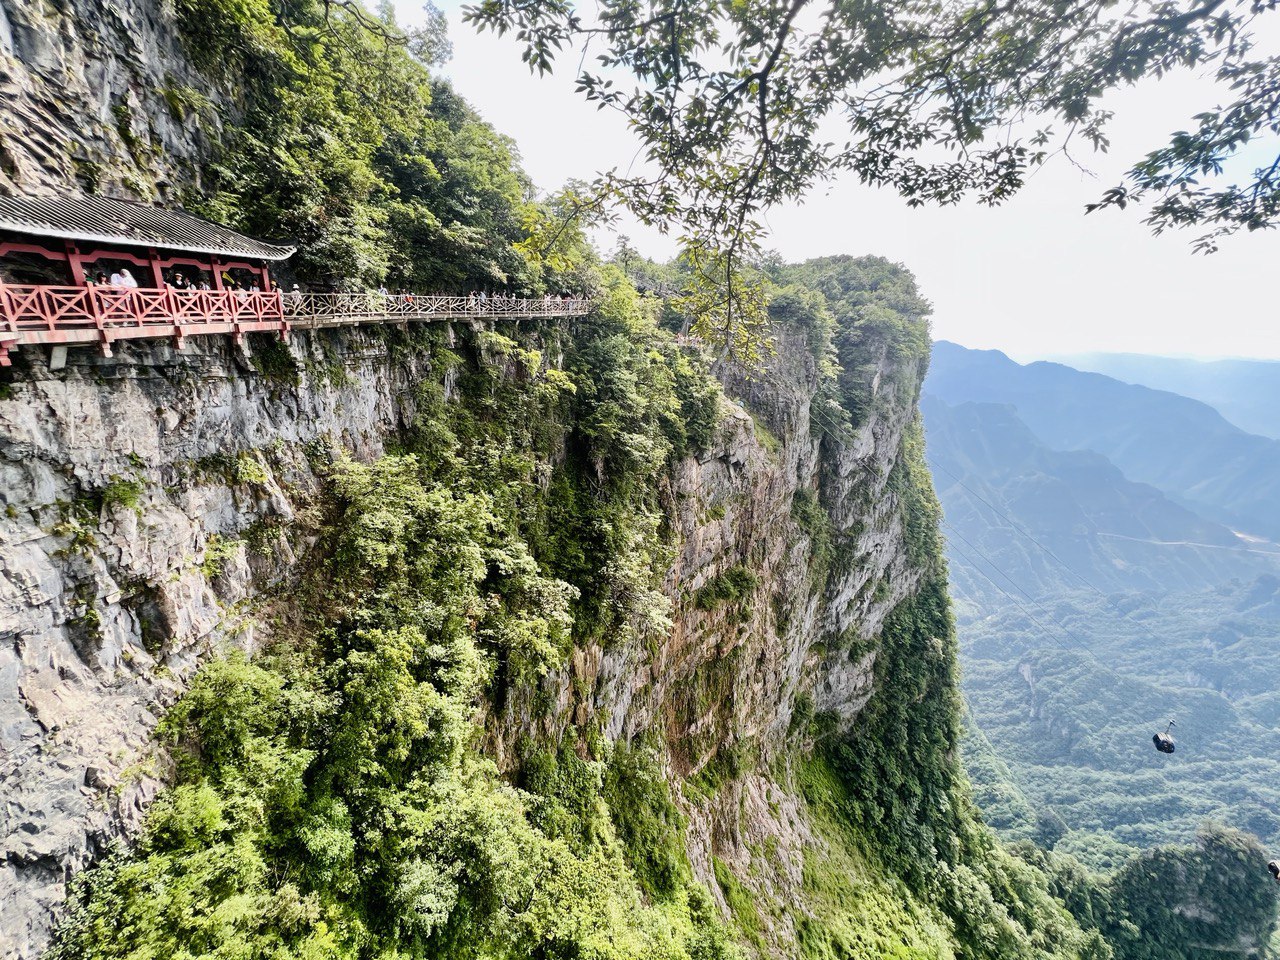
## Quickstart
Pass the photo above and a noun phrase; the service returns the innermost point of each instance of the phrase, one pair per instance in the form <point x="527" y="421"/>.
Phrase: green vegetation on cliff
<point x="338" y="796"/>
<point x="337" y="137"/>
<point x="908" y="862"/>
<point x="329" y="799"/>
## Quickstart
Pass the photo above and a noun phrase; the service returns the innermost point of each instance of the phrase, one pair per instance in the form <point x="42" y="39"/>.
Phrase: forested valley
<point x="1092" y="608"/>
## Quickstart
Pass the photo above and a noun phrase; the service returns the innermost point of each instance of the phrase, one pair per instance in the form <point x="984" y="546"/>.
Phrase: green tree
<point x="735" y="103"/>
<point x="1195" y="902"/>
<point x="334" y="134"/>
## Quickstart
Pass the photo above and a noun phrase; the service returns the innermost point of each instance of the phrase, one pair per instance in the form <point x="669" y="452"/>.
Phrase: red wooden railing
<point x="31" y="314"/>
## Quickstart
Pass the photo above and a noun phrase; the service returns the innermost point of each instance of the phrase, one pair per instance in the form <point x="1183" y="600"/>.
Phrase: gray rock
<point x="106" y="613"/>
<point x="91" y="95"/>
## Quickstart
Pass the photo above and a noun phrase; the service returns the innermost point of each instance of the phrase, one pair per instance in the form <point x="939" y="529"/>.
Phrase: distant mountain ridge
<point x="1246" y="392"/>
<point x="1183" y="447"/>
<point x="993" y="473"/>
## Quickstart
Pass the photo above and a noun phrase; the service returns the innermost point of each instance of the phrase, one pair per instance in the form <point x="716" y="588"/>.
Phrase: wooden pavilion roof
<point x="123" y="222"/>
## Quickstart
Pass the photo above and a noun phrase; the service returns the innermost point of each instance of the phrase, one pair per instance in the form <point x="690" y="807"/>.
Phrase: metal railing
<point x="37" y="314"/>
<point x="307" y="310"/>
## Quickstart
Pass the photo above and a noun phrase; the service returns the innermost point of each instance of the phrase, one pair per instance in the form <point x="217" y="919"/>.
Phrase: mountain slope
<point x="1181" y="446"/>
<point x="1037" y="521"/>
<point x="1246" y="392"/>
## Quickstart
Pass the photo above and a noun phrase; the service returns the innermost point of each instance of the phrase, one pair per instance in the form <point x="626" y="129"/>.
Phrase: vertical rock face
<point x="98" y="94"/>
<point x="147" y="500"/>
<point x="144" y="501"/>
<point x="722" y="689"/>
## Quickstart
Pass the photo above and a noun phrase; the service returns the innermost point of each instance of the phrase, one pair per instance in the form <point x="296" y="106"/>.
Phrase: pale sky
<point x="1035" y="277"/>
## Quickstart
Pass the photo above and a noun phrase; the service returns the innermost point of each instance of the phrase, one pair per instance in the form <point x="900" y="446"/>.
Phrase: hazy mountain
<point x="1092" y="607"/>
<point x="1246" y="392"/>
<point x="1181" y="446"/>
<point x="1014" y="508"/>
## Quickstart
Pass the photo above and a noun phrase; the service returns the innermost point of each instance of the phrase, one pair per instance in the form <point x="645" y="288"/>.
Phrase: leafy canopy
<point x="742" y="105"/>
<point x="330" y="129"/>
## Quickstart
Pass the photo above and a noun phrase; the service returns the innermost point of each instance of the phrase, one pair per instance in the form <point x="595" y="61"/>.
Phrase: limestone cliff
<point x="151" y="497"/>
<point x="124" y="480"/>
<point x="99" y="95"/>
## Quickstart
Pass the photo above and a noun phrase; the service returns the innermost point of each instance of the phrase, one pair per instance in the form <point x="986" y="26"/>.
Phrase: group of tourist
<point x="481" y="297"/>
<point x="124" y="278"/>
<point x="121" y="278"/>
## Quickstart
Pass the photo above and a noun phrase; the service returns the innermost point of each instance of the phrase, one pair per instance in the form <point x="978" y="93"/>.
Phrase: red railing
<point x="41" y="314"/>
<point x="31" y="314"/>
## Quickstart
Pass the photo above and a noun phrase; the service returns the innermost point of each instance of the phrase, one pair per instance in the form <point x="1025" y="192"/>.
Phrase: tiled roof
<point x="102" y="220"/>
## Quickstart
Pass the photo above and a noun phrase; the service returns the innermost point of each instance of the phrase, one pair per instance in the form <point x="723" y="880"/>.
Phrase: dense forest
<point x="1075" y="723"/>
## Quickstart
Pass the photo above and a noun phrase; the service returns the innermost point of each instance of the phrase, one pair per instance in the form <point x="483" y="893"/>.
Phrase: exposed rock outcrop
<point x="145" y="500"/>
<point x="98" y="93"/>
<point x="150" y="498"/>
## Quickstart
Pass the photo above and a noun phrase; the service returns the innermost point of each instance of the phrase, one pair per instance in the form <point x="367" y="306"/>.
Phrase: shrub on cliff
<point x="328" y="800"/>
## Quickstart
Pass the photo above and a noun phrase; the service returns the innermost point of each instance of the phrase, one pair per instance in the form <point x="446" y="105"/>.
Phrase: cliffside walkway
<point x="46" y="241"/>
<point x="37" y="315"/>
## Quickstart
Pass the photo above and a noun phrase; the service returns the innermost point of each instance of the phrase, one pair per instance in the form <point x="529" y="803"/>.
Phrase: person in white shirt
<point x="124" y="279"/>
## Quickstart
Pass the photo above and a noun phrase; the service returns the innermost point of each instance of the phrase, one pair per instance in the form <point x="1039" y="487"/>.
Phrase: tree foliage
<point x="741" y="106"/>
<point x="335" y="136"/>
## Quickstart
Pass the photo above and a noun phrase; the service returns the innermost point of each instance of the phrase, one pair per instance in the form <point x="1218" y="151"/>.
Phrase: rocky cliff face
<point x="147" y="499"/>
<point x="150" y="499"/>
<point x="98" y="94"/>
<point x="722" y="687"/>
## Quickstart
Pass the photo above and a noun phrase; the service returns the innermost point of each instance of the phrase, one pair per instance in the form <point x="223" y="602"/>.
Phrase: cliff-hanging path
<point x="36" y="315"/>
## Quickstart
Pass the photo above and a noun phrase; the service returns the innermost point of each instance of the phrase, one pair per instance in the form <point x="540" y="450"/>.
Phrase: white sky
<point x="1034" y="277"/>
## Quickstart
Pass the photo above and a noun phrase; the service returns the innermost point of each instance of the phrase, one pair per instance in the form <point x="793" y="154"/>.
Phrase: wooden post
<point x="217" y="273"/>
<point x="77" y="267"/>
<point x="157" y="275"/>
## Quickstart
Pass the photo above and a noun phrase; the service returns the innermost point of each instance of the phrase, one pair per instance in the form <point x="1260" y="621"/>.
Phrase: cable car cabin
<point x="1274" y="869"/>
<point x="90" y="270"/>
<point x="1164" y="741"/>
